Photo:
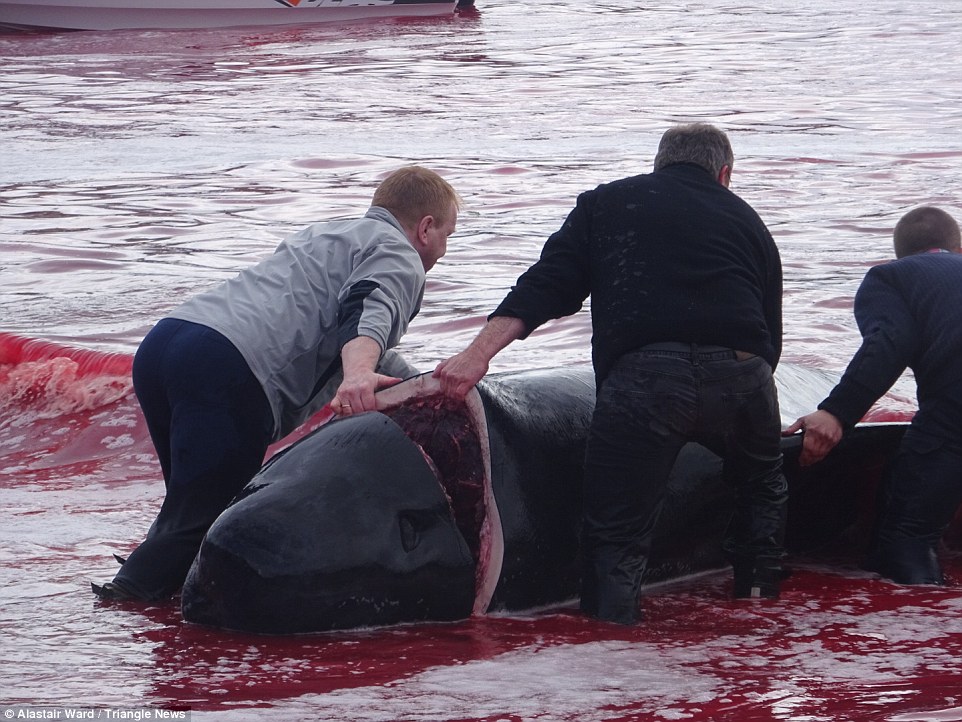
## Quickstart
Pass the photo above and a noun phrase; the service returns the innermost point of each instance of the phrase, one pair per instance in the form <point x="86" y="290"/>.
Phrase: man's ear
<point x="423" y="226"/>
<point x="725" y="175"/>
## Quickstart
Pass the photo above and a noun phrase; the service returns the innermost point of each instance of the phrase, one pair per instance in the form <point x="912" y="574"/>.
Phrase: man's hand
<point x="461" y="372"/>
<point x="359" y="358"/>
<point x="821" y="432"/>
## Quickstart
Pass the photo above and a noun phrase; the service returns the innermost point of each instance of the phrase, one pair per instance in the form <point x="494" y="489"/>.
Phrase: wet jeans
<point x="918" y="499"/>
<point x="211" y="424"/>
<point x="649" y="406"/>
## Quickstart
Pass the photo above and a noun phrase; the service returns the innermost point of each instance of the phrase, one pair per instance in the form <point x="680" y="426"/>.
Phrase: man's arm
<point x="381" y="295"/>
<point x="889" y="341"/>
<point x="461" y="372"/>
<point x="359" y="358"/>
<point x="555" y="286"/>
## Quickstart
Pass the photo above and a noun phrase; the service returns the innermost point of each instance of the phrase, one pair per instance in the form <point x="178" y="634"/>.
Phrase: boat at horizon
<point x="187" y="14"/>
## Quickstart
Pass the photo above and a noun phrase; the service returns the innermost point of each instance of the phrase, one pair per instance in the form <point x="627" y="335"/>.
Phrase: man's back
<point x="675" y="256"/>
<point x="917" y="302"/>
<point x="284" y="314"/>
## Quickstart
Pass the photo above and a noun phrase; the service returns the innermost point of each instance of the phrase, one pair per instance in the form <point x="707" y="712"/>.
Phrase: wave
<point x="66" y="411"/>
<point x="41" y="379"/>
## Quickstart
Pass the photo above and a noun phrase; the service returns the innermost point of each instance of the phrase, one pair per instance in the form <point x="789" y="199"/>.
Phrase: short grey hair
<point x="698" y="143"/>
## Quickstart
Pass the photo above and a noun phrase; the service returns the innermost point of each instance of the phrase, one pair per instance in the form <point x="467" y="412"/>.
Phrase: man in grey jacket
<point x="242" y="365"/>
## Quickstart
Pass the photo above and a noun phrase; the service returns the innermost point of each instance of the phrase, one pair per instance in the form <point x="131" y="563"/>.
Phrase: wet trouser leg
<point x="211" y="424"/>
<point x="739" y="419"/>
<point x="640" y="423"/>
<point x="919" y="496"/>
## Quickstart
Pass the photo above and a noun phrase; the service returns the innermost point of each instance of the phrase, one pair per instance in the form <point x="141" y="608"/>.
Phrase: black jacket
<point x="668" y="256"/>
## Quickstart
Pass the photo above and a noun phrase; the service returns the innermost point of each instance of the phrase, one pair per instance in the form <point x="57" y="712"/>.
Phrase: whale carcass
<point x="430" y="509"/>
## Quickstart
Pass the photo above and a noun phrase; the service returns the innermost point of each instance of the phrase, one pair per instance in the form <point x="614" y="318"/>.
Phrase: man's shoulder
<point x="915" y="276"/>
<point x="374" y="218"/>
<point x="624" y="182"/>
<point x="366" y="230"/>
<point x="926" y="263"/>
<point x="679" y="177"/>
<point x="618" y="187"/>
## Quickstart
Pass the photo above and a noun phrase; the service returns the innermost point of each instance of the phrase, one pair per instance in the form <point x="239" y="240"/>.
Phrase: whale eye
<point x="410" y="531"/>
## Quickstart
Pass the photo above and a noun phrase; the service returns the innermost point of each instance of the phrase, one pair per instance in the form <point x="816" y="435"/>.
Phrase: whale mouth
<point x="371" y="519"/>
<point x="453" y="437"/>
<point x="391" y="516"/>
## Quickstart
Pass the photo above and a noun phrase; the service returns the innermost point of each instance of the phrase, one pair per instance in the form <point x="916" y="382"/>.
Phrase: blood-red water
<point x="141" y="167"/>
<point x="839" y="644"/>
<point x="836" y="646"/>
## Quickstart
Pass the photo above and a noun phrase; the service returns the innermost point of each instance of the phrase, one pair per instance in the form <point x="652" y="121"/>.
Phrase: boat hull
<point x="183" y="14"/>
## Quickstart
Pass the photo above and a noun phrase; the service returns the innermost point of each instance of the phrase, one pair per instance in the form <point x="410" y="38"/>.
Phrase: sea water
<point x="140" y="167"/>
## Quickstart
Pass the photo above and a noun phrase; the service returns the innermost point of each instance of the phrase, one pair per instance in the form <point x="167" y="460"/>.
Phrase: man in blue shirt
<point x="909" y="312"/>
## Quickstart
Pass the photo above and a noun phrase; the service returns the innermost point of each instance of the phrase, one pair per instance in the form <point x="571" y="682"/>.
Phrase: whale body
<point x="430" y="509"/>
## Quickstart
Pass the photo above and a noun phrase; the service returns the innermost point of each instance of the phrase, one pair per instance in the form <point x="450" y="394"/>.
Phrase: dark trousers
<point x="211" y="424"/>
<point x="650" y="405"/>
<point x="920" y="493"/>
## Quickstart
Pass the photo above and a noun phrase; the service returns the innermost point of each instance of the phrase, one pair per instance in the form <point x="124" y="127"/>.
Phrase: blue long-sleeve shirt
<point x="909" y="313"/>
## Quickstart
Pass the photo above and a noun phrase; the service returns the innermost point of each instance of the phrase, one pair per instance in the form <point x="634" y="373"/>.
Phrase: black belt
<point x="694" y="351"/>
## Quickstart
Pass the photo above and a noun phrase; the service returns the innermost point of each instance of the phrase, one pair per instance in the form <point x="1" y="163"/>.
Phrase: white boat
<point x="147" y="14"/>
